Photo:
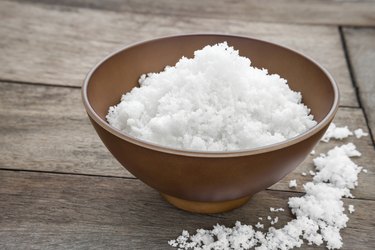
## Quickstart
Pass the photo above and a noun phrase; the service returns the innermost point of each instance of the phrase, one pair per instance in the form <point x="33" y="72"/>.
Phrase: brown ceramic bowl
<point x="207" y="182"/>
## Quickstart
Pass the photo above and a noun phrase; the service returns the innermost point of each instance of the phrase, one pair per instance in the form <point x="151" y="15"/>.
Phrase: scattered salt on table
<point x="359" y="133"/>
<point x="336" y="133"/>
<point x="319" y="213"/>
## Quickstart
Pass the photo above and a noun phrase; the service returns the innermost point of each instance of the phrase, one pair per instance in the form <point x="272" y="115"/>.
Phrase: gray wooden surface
<point x="54" y="211"/>
<point x="326" y="12"/>
<point x="361" y="48"/>
<point x="61" y="189"/>
<point x="79" y="42"/>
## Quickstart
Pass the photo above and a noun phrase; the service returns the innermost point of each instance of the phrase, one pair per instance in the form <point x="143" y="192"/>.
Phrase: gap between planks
<point x="354" y="82"/>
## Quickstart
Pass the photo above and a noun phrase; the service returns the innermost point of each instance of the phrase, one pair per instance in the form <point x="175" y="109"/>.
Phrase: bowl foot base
<point x="205" y="207"/>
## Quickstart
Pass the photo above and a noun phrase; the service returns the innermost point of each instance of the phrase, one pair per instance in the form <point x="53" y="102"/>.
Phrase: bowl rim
<point x="209" y="154"/>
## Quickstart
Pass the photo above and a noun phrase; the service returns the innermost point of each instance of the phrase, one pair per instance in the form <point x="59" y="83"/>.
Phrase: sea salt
<point x="276" y="209"/>
<point x="359" y="133"/>
<point x="293" y="184"/>
<point x="312" y="173"/>
<point x="319" y="213"/>
<point x="259" y="225"/>
<point x="351" y="209"/>
<point x="312" y="152"/>
<point x="275" y="220"/>
<point x="336" y="132"/>
<point x="364" y="170"/>
<point x="337" y="168"/>
<point x="303" y="174"/>
<point x="215" y="101"/>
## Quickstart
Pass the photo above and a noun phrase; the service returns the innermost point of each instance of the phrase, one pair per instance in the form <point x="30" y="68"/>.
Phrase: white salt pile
<point x="213" y="102"/>
<point x="319" y="213"/>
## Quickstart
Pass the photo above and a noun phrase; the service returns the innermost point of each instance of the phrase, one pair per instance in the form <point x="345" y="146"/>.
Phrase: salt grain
<point x="351" y="209"/>
<point x="364" y="170"/>
<point x="275" y="220"/>
<point x="293" y="184"/>
<point x="336" y="133"/>
<point x="319" y="213"/>
<point x="312" y="173"/>
<point x="276" y="209"/>
<point x="359" y="133"/>
<point x="259" y="225"/>
<point x="303" y="173"/>
<point x="213" y="102"/>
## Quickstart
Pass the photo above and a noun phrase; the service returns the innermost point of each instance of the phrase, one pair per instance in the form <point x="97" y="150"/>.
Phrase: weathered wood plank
<point x="284" y="11"/>
<point x="49" y="211"/>
<point x="45" y="128"/>
<point x="361" y="48"/>
<point x="57" y="45"/>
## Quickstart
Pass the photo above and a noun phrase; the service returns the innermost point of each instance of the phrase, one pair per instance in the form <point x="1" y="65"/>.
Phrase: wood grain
<point x="361" y="48"/>
<point x="49" y="211"/>
<point x="281" y="11"/>
<point x="56" y="45"/>
<point x="45" y="128"/>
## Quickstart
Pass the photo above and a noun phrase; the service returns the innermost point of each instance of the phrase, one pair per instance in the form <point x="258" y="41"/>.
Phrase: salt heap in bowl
<point x="215" y="101"/>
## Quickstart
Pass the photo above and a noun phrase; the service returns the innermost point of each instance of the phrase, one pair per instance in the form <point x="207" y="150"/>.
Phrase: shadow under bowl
<point x="207" y="182"/>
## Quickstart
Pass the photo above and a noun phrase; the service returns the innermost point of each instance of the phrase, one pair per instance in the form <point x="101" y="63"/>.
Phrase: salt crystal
<point x="276" y="209"/>
<point x="293" y="184"/>
<point x="312" y="152"/>
<point x="312" y="173"/>
<point x="351" y="209"/>
<point x="260" y="218"/>
<point x="319" y="213"/>
<point x="359" y="133"/>
<point x="304" y="174"/>
<point x="259" y="225"/>
<point x="213" y="102"/>
<point x="275" y="220"/>
<point x="364" y="170"/>
<point x="336" y="133"/>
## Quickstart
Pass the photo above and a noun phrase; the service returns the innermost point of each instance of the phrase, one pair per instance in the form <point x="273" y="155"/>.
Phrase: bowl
<point x="197" y="181"/>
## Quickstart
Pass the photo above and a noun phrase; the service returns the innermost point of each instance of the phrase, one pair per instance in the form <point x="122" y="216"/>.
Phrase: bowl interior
<point x="120" y="73"/>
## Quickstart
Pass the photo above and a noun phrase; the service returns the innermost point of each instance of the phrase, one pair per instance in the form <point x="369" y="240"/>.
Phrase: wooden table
<point x="61" y="189"/>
